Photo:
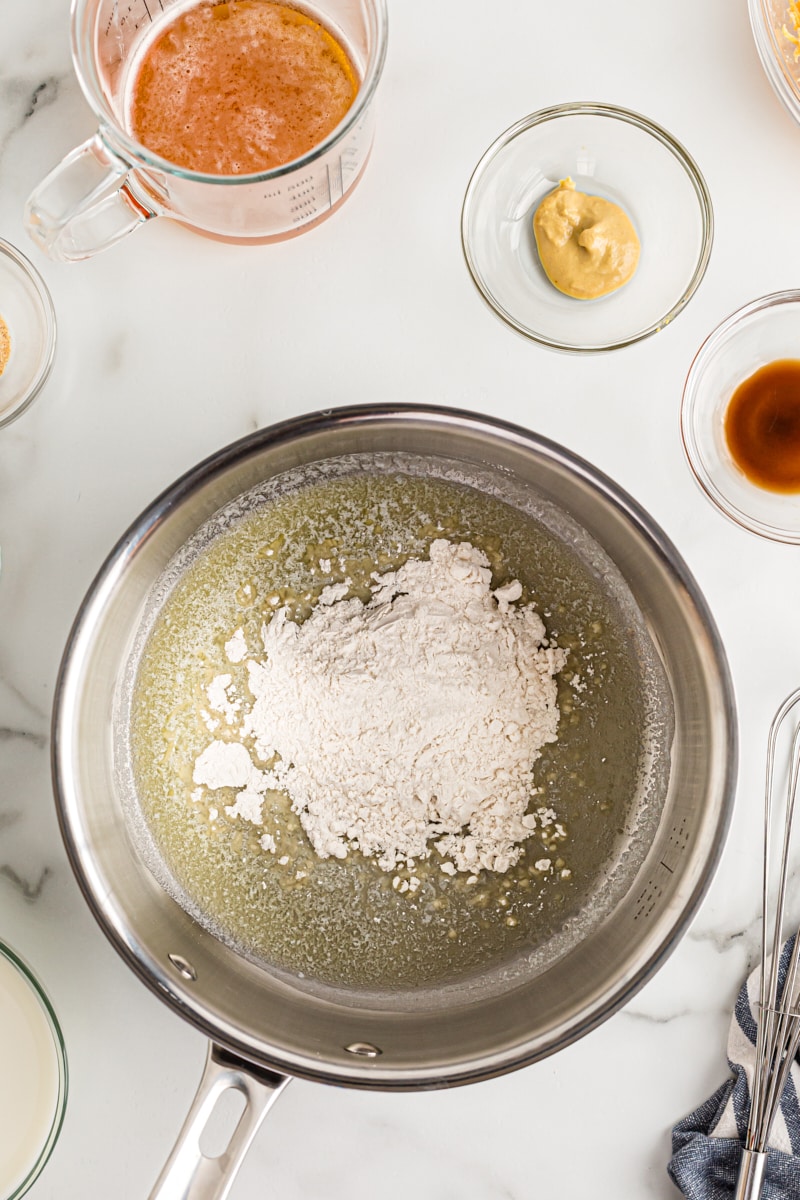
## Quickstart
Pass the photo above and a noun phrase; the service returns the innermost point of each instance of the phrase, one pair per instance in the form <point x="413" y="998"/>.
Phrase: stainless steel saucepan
<point x="263" y="1028"/>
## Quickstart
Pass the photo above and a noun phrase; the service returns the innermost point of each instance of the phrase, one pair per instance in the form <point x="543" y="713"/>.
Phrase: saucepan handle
<point x="84" y="205"/>
<point x="189" y="1174"/>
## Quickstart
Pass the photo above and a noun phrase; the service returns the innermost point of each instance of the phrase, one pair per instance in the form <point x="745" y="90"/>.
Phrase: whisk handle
<point x="751" y="1175"/>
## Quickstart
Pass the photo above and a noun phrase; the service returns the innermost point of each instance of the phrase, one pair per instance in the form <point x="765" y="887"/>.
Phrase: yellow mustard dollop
<point x="587" y="245"/>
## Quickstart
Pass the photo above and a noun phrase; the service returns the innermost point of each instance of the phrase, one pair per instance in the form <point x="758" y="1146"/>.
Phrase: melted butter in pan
<point x="347" y="923"/>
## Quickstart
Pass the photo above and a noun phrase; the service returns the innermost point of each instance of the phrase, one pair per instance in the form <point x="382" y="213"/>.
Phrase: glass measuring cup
<point x="111" y="184"/>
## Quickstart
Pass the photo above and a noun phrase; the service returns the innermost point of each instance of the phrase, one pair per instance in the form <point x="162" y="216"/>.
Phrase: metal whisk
<point x="778" y="1035"/>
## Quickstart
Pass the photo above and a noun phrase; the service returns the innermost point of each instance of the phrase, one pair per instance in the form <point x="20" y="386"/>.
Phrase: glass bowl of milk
<point x="33" y="1077"/>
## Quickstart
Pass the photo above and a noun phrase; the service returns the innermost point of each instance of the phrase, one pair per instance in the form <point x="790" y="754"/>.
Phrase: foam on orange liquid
<point x="242" y="87"/>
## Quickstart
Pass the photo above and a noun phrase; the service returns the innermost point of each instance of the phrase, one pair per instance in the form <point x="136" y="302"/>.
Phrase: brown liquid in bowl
<point x="762" y="426"/>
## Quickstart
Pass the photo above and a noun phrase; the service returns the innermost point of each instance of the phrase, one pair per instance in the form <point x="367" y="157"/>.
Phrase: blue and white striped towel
<point x="707" y="1145"/>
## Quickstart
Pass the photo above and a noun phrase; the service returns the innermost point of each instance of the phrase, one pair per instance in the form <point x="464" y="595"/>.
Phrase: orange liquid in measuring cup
<point x="237" y="88"/>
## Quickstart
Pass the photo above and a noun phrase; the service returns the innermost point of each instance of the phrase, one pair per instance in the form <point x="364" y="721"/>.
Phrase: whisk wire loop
<point x="782" y="1024"/>
<point x="778" y="1033"/>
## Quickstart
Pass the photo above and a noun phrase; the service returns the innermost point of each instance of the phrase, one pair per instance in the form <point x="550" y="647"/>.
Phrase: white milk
<point x="29" y="1077"/>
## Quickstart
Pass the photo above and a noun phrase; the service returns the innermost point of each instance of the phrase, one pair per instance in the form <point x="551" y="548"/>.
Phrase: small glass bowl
<point x="768" y="18"/>
<point x="762" y="332"/>
<point x="27" y="310"/>
<point x="609" y="152"/>
<point x="32" y="989"/>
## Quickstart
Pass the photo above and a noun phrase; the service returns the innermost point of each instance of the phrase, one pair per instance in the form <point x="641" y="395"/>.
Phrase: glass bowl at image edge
<point x="763" y="331"/>
<point x="26" y="309"/>
<point x="768" y="20"/>
<point x="22" y="1186"/>
<point x="610" y="152"/>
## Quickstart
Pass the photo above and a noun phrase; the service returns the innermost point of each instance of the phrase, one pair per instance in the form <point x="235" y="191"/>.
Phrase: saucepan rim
<point x="371" y="1072"/>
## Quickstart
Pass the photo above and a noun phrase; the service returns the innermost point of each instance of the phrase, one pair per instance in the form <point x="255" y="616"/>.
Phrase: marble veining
<point x="35" y="739"/>
<point x="43" y="94"/>
<point x="19" y="701"/>
<point x="30" y="890"/>
<point x="20" y="99"/>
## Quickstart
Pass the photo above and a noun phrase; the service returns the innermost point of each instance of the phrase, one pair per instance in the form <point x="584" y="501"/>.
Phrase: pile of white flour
<point x="408" y="723"/>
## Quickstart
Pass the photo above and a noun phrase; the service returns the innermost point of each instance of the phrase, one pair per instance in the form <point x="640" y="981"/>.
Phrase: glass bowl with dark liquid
<point x="740" y="416"/>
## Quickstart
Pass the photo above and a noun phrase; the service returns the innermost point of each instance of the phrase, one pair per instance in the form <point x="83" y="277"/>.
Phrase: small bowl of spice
<point x="27" y="333"/>
<point x="586" y="227"/>
<point x="740" y="416"/>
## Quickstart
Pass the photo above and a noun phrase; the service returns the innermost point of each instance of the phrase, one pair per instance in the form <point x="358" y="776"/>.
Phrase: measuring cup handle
<point x="189" y="1174"/>
<point x="84" y="204"/>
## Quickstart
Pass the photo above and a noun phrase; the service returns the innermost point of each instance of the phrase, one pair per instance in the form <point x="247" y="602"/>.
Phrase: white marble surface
<point x="171" y="346"/>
